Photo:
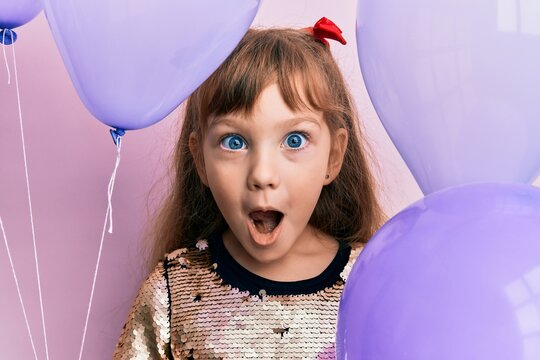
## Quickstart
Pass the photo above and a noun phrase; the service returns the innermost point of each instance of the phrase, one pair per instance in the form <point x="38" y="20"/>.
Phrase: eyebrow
<point x="286" y="123"/>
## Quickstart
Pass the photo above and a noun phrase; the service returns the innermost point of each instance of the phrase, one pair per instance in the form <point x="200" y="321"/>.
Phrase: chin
<point x="267" y="255"/>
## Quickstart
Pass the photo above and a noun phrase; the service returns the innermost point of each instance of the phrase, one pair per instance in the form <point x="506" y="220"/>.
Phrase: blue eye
<point x="294" y="140"/>
<point x="232" y="142"/>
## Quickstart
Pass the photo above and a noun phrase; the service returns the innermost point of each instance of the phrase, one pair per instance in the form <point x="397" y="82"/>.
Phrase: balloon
<point x="454" y="276"/>
<point x="14" y="13"/>
<point x="455" y="83"/>
<point x="134" y="61"/>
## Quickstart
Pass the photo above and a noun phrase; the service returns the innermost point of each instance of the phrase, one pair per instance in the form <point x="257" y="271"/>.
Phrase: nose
<point x="263" y="172"/>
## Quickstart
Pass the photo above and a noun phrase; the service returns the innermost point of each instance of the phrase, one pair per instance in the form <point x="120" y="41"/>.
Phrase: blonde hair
<point x="300" y="64"/>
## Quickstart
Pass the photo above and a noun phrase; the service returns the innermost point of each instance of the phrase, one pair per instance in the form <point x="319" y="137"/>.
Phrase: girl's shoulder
<point x="149" y="311"/>
<point x="187" y="263"/>
<point x="356" y="249"/>
<point x="197" y="255"/>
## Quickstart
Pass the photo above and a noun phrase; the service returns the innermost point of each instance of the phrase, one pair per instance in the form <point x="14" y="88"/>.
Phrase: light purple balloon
<point x="134" y="61"/>
<point x="454" y="276"/>
<point x="14" y="13"/>
<point x="456" y="84"/>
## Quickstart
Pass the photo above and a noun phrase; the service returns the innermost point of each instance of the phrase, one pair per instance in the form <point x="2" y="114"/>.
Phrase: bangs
<point x="292" y="59"/>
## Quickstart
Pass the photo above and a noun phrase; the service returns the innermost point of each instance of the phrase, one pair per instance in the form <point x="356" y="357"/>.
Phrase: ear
<point x="196" y="152"/>
<point x="337" y="154"/>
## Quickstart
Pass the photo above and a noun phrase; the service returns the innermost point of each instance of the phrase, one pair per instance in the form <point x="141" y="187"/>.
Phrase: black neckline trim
<point x="239" y="277"/>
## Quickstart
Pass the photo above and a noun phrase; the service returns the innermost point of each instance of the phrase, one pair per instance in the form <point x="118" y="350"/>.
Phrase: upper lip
<point x="264" y="208"/>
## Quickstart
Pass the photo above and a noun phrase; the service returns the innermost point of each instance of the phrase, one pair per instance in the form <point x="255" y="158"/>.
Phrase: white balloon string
<point x="110" y="188"/>
<point x="5" y="56"/>
<point x="18" y="288"/>
<point x="29" y="200"/>
<point x="108" y="216"/>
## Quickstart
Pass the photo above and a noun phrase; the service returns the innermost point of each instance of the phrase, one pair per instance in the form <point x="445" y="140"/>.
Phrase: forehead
<point x="270" y="108"/>
<point x="284" y="123"/>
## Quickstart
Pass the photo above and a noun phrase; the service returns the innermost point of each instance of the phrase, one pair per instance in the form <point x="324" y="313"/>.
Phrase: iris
<point x="294" y="140"/>
<point x="235" y="142"/>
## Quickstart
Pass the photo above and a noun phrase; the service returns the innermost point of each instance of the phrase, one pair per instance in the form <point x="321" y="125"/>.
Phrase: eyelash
<point x="303" y="133"/>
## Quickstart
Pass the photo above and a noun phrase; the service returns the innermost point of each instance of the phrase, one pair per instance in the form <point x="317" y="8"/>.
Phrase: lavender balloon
<point x="454" y="276"/>
<point x="14" y="13"/>
<point x="134" y="61"/>
<point x="455" y="83"/>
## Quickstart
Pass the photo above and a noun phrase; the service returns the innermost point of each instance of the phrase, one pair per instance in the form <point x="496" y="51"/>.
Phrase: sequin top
<point x="186" y="310"/>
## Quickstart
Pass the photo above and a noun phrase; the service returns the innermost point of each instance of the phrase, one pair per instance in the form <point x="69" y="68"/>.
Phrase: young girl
<point x="272" y="202"/>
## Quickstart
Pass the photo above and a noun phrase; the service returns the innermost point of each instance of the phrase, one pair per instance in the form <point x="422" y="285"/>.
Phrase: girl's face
<point x="266" y="173"/>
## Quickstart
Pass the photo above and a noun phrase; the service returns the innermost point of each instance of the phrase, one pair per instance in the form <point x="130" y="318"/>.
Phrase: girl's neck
<point x="315" y="256"/>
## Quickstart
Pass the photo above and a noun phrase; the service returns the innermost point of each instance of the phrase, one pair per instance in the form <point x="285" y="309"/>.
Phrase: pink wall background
<point x="70" y="159"/>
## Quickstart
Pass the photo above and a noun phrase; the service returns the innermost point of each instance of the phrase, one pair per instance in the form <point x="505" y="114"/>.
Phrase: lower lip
<point x="264" y="239"/>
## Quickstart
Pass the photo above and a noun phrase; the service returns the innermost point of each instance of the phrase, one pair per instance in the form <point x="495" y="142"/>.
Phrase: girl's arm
<point x="146" y="334"/>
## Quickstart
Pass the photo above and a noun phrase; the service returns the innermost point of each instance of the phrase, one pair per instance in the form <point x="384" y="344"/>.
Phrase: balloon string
<point x="5" y="56"/>
<point x="110" y="188"/>
<point x="108" y="216"/>
<point x="29" y="199"/>
<point x="18" y="288"/>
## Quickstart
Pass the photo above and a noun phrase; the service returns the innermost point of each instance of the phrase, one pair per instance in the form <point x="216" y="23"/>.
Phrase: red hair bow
<point x="326" y="29"/>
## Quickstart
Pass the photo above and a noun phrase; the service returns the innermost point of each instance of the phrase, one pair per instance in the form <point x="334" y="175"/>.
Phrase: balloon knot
<point x="7" y="36"/>
<point x="117" y="134"/>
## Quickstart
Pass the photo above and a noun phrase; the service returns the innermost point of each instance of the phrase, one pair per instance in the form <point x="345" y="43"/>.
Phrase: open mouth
<point x="265" y="226"/>
<point x="266" y="221"/>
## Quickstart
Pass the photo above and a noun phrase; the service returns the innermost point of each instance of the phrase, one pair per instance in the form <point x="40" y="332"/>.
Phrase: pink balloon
<point x="134" y="61"/>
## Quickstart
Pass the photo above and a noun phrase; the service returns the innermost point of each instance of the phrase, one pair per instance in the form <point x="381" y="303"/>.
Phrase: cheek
<point x="217" y="171"/>
<point x="224" y="181"/>
<point x="308" y="170"/>
<point x="306" y="180"/>
<point x="305" y="184"/>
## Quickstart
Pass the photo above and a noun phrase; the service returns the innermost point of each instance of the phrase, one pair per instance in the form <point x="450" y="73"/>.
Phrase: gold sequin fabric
<point x="209" y="319"/>
<point x="146" y="334"/>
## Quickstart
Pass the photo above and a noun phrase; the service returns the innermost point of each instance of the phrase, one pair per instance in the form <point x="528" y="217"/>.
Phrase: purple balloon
<point x="134" y="61"/>
<point x="454" y="276"/>
<point x="14" y="13"/>
<point x="455" y="83"/>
